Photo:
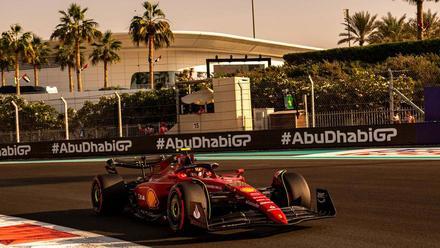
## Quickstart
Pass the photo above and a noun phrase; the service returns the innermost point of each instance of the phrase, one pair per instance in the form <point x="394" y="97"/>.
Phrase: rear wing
<point x="144" y="162"/>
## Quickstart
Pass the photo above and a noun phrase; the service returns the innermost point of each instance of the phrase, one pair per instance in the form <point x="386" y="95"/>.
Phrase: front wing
<point x="242" y="219"/>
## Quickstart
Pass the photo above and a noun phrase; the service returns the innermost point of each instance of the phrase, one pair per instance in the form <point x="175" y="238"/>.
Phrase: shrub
<point x="368" y="54"/>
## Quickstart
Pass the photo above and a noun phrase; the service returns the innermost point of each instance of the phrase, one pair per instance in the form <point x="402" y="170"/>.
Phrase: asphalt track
<point x="380" y="204"/>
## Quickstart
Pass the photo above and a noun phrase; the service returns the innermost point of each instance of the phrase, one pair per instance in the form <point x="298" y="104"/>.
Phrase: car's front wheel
<point x="176" y="210"/>
<point x="187" y="201"/>
<point x="291" y="189"/>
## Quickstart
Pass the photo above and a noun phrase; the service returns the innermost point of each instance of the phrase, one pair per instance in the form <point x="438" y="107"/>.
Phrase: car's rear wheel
<point x="291" y="189"/>
<point x="108" y="194"/>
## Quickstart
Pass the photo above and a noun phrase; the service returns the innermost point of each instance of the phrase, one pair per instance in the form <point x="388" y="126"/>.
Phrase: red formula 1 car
<point x="190" y="194"/>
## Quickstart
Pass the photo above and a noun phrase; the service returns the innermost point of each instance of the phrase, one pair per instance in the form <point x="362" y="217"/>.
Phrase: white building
<point x="189" y="50"/>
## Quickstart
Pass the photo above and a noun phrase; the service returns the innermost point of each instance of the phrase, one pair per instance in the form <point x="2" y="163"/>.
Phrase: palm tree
<point x="359" y="28"/>
<point x="38" y="57"/>
<point x="106" y="51"/>
<point x="65" y="56"/>
<point x="75" y="28"/>
<point x="154" y="30"/>
<point x="390" y="29"/>
<point x="5" y="60"/>
<point x="19" y="45"/>
<point x="420" y="16"/>
<point x="431" y="24"/>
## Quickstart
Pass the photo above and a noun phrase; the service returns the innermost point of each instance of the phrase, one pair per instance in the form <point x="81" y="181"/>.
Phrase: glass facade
<point x="236" y="68"/>
<point x="139" y="80"/>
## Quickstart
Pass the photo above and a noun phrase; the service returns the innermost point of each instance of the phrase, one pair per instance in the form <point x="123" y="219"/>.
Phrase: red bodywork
<point x="153" y="194"/>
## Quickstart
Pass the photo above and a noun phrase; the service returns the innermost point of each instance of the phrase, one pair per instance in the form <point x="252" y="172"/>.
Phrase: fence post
<point x="313" y="102"/>
<point x="243" y="119"/>
<point x="306" y="109"/>
<point x="17" y="123"/>
<point x="177" y="92"/>
<point x="66" y="118"/>
<point x="390" y="91"/>
<point x="119" y="114"/>
<point x="351" y="118"/>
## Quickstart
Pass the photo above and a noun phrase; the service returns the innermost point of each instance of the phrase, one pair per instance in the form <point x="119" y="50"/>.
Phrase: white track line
<point x="396" y="153"/>
<point x="82" y="239"/>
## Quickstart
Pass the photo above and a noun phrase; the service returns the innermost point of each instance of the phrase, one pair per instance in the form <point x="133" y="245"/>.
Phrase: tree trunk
<point x="36" y="77"/>
<point x="105" y="74"/>
<point x="78" y="66"/>
<point x="17" y="73"/>
<point x="71" y="83"/>
<point x="3" y="77"/>
<point x="150" y="59"/>
<point x="420" y="21"/>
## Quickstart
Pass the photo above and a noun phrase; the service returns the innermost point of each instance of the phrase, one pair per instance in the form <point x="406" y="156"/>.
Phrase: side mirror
<point x="214" y="166"/>
<point x="239" y="172"/>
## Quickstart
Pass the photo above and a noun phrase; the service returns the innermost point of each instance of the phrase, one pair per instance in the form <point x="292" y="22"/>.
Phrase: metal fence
<point x="80" y="133"/>
<point x="363" y="117"/>
<point x="116" y="116"/>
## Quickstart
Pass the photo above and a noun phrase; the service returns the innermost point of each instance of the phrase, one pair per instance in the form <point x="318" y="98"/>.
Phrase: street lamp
<point x="253" y="18"/>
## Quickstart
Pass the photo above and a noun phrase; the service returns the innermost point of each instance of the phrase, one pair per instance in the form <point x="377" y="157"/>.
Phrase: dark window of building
<point x="232" y="69"/>
<point x="140" y="80"/>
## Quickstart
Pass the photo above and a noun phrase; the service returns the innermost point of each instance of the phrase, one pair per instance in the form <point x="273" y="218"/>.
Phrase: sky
<point x="305" y="22"/>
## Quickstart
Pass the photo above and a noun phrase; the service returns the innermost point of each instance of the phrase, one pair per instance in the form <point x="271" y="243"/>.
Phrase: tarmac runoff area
<point x="388" y="202"/>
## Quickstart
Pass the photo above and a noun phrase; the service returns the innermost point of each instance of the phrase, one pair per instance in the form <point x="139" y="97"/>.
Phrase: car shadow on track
<point x="141" y="232"/>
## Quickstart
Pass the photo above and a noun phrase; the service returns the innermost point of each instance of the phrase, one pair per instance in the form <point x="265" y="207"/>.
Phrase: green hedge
<point x="368" y="54"/>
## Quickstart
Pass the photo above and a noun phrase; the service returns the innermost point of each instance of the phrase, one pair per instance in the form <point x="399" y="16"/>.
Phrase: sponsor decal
<point x="91" y="147"/>
<point x="273" y="209"/>
<point x="152" y="201"/>
<point x="221" y="141"/>
<point x="252" y="204"/>
<point x="239" y="184"/>
<point x="210" y="186"/>
<point x="198" y="217"/>
<point x="247" y="189"/>
<point x="321" y="197"/>
<point x="196" y="213"/>
<point x="15" y="150"/>
<point x="140" y="197"/>
<point x="339" y="137"/>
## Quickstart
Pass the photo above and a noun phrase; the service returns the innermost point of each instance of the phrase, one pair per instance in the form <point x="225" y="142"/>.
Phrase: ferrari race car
<point x="188" y="194"/>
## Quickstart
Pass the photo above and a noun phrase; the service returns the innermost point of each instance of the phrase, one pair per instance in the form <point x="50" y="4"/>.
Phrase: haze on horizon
<point x="304" y="22"/>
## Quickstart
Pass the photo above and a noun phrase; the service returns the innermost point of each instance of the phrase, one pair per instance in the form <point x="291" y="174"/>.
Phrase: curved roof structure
<point x="223" y="43"/>
<point x="190" y="49"/>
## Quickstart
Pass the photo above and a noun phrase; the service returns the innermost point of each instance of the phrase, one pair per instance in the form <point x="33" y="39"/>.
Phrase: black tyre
<point x="291" y="189"/>
<point x="108" y="194"/>
<point x="179" y="205"/>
